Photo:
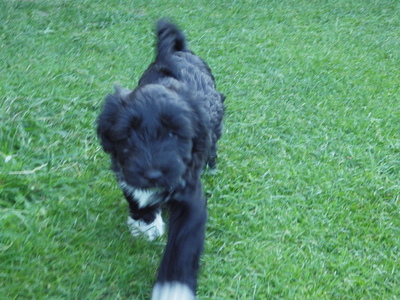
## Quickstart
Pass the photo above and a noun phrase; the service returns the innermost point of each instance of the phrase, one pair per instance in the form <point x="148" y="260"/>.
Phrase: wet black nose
<point x="153" y="175"/>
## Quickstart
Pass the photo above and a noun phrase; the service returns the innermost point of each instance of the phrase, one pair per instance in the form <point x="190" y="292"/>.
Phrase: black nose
<point x="153" y="175"/>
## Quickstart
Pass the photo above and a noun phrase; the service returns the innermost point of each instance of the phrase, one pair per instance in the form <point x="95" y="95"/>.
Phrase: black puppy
<point x="160" y="136"/>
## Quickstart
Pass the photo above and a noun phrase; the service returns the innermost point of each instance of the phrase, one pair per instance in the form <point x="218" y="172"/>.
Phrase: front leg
<point x="144" y="209"/>
<point x="144" y="221"/>
<point x="177" y="276"/>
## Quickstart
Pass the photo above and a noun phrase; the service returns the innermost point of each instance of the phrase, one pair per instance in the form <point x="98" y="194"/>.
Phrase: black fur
<point x="160" y="136"/>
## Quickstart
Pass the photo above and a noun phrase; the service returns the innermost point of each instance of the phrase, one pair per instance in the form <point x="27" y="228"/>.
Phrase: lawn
<point x="305" y="203"/>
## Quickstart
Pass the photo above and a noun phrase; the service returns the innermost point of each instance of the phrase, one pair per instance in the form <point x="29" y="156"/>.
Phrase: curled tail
<point x="170" y="40"/>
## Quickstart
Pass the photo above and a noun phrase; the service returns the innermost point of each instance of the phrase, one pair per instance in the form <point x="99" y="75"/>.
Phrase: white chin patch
<point x="151" y="231"/>
<point x="172" y="291"/>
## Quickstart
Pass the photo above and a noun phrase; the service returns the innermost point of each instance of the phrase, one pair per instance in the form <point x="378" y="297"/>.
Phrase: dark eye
<point x="171" y="134"/>
<point x="135" y="122"/>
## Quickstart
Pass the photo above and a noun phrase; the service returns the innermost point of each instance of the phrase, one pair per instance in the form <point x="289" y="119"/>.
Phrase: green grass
<point x="305" y="203"/>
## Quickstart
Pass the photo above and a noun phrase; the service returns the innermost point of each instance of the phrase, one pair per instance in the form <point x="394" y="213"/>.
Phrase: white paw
<point x="151" y="231"/>
<point x="172" y="291"/>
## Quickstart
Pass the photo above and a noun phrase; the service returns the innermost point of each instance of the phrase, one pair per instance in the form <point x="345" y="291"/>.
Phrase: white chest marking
<point x="143" y="197"/>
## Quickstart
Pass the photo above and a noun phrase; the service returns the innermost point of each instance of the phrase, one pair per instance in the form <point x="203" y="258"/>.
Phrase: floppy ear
<point x="200" y="122"/>
<point x="108" y="117"/>
<point x="202" y="139"/>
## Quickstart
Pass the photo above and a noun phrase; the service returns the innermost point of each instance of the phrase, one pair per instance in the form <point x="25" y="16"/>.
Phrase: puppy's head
<point x="156" y="135"/>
